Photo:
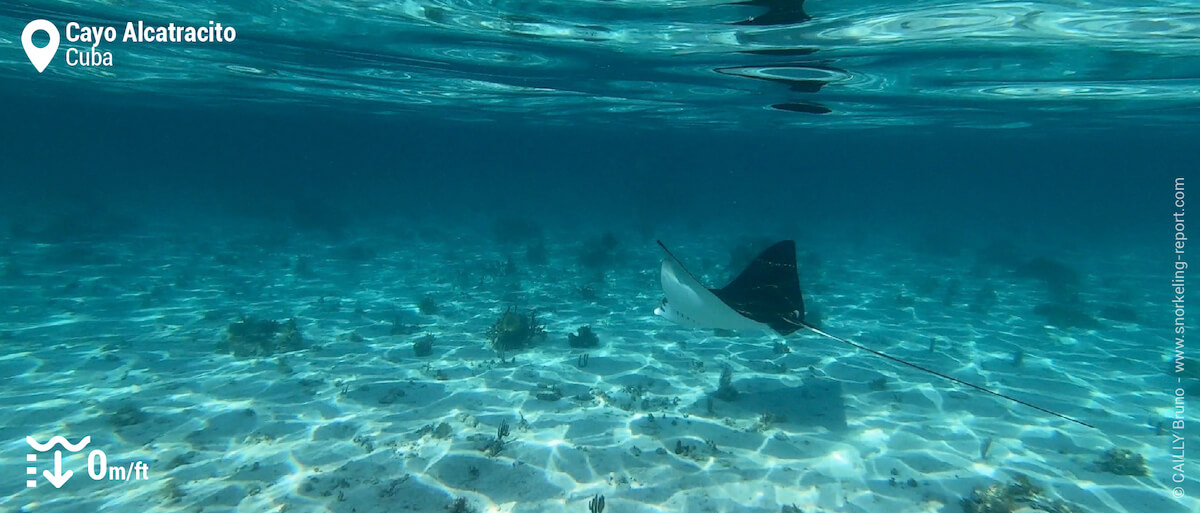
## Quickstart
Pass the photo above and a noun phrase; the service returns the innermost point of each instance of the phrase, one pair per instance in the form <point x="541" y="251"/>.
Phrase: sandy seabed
<point x="116" y="340"/>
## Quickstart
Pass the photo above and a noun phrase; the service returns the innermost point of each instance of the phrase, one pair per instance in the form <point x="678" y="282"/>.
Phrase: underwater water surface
<point x="701" y="63"/>
<point x="405" y="256"/>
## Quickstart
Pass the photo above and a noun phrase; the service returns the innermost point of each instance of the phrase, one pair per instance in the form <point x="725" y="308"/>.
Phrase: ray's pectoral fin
<point x="768" y="290"/>
<point x="690" y="304"/>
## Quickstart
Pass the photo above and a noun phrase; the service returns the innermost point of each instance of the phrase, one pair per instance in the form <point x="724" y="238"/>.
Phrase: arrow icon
<point x="58" y="478"/>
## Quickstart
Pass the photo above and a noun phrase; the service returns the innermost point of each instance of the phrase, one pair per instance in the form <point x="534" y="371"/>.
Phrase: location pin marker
<point x="40" y="57"/>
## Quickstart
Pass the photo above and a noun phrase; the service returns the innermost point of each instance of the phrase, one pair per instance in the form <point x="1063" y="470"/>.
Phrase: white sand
<point x="122" y="350"/>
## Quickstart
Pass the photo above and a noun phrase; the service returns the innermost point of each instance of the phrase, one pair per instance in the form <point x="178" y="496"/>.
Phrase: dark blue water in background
<point x="1107" y="188"/>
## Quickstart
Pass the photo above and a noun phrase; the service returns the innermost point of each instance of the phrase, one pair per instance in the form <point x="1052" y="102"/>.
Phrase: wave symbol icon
<point x="58" y="440"/>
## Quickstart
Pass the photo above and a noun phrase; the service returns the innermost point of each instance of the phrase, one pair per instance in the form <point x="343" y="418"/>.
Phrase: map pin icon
<point x="40" y="57"/>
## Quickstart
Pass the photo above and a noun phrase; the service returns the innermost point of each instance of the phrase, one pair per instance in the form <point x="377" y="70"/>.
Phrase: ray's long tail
<point x="816" y="330"/>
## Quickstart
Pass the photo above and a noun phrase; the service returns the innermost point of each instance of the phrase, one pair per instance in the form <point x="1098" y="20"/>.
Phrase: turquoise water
<point x="284" y="273"/>
<point x="1000" y="65"/>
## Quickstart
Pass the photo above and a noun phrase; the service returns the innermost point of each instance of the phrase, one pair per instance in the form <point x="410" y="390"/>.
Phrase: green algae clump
<point x="250" y="337"/>
<point x="1122" y="462"/>
<point x="515" y="331"/>
<point x="1020" y="495"/>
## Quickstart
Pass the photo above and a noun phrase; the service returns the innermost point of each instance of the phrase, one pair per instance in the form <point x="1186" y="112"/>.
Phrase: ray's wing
<point x="768" y="290"/>
<point x="692" y="304"/>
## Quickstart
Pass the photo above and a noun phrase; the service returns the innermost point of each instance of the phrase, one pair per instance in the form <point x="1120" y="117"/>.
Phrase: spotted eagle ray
<point x="766" y="296"/>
